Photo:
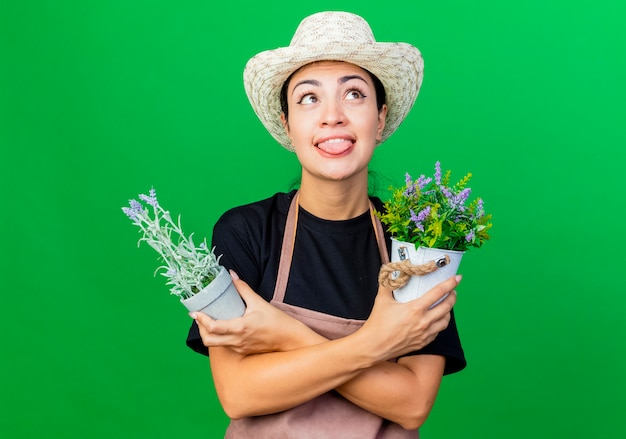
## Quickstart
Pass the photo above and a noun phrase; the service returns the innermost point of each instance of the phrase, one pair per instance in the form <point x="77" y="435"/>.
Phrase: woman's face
<point x="334" y="123"/>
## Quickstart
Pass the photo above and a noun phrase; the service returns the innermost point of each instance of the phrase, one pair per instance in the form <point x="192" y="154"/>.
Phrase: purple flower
<point x="130" y="213"/>
<point x="424" y="213"/>
<point x="420" y="217"/>
<point x="470" y="236"/>
<point x="135" y="205"/>
<point x="458" y="201"/>
<point x="463" y="196"/>
<point x="423" y="181"/>
<point x="410" y="188"/>
<point x="438" y="173"/>
<point x="416" y="221"/>
<point x="480" y="210"/>
<point x="448" y="194"/>
<point x="151" y="199"/>
<point x="134" y="211"/>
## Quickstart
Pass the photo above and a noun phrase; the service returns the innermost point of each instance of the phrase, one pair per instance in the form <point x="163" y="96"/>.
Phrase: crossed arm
<point x="267" y="361"/>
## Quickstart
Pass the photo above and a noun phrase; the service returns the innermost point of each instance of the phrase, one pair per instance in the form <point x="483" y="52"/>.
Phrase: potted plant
<point x="194" y="272"/>
<point x="432" y="226"/>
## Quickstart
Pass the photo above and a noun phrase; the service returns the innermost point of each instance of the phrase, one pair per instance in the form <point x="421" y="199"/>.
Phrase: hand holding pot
<point x="399" y="328"/>
<point x="263" y="327"/>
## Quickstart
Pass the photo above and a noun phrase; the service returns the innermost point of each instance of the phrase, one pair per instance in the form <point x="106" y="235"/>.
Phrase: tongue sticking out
<point x="335" y="146"/>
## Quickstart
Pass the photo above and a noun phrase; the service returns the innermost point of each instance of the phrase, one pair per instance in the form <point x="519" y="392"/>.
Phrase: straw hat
<point x="336" y="36"/>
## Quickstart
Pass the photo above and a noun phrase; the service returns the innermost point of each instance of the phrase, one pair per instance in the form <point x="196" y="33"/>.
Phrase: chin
<point x="343" y="174"/>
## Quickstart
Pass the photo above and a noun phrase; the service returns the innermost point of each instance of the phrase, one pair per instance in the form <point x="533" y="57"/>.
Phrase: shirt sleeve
<point x="448" y="344"/>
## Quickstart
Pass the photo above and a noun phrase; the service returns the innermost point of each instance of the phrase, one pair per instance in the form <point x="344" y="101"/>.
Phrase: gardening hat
<point x="334" y="36"/>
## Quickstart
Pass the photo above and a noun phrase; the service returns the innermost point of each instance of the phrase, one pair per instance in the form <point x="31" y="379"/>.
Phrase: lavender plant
<point x="188" y="268"/>
<point x="430" y="212"/>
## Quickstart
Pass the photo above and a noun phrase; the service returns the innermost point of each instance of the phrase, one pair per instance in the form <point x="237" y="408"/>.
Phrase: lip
<point x="335" y="146"/>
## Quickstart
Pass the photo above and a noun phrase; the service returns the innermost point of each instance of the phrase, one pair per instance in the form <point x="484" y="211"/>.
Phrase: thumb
<point x="208" y="326"/>
<point x="201" y="318"/>
<point x="384" y="293"/>
<point x="244" y="290"/>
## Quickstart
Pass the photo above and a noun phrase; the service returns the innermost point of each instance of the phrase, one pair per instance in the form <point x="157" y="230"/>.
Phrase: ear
<point x="382" y="116"/>
<point x="285" y="123"/>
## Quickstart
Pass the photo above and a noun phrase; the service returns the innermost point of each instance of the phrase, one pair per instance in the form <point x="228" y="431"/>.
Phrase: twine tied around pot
<point x="405" y="269"/>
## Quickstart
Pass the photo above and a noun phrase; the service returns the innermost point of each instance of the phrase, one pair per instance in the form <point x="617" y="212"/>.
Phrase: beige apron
<point x="329" y="415"/>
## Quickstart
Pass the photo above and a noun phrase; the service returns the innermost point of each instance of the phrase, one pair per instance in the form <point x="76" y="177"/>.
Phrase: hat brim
<point x="399" y="66"/>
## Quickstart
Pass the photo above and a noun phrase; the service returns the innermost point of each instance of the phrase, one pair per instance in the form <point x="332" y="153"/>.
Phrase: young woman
<point x="322" y="351"/>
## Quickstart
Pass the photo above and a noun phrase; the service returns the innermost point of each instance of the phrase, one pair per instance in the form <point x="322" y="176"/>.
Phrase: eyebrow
<point x="345" y="79"/>
<point x="306" y="81"/>
<point x="316" y="83"/>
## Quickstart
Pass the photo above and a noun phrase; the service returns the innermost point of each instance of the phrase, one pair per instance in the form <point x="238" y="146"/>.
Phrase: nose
<point x="332" y="114"/>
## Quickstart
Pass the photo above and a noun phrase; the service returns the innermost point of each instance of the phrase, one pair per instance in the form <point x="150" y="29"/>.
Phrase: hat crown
<point x="325" y="27"/>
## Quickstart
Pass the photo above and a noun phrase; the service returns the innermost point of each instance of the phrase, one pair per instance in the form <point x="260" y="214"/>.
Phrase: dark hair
<point x="381" y="97"/>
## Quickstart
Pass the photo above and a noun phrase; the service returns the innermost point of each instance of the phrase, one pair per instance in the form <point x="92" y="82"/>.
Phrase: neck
<point x="334" y="200"/>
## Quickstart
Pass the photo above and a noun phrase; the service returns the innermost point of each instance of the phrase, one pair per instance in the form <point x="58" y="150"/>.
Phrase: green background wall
<point x="100" y="100"/>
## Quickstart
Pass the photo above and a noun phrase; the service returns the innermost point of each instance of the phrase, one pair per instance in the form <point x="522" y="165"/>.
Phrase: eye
<point x="307" y="99"/>
<point x="355" y="93"/>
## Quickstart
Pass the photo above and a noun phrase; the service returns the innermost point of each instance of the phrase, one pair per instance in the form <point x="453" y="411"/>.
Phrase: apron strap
<point x="286" y="252"/>
<point x="380" y="236"/>
<point x="289" y="239"/>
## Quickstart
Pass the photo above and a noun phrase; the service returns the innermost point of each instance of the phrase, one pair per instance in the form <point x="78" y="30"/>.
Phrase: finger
<point x="441" y="324"/>
<point x="244" y="290"/>
<point x="211" y="326"/>
<point x="439" y="293"/>
<point x="202" y="319"/>
<point x="445" y="296"/>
